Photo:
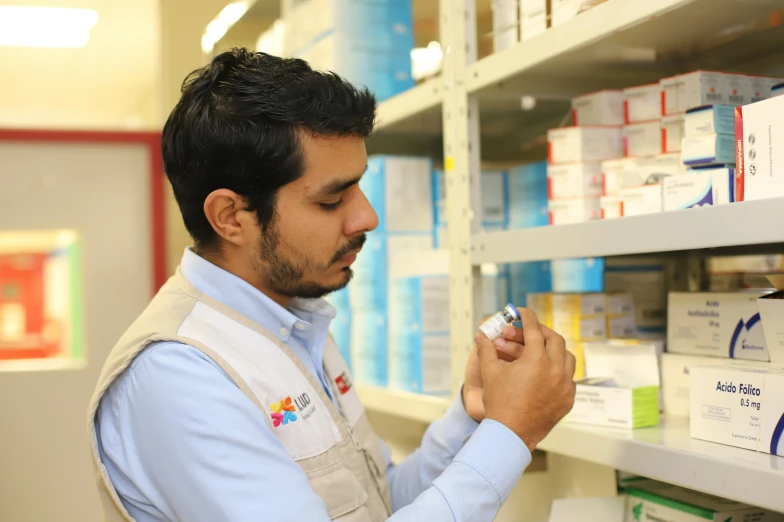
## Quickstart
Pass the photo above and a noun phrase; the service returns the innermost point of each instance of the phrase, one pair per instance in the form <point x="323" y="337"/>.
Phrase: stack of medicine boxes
<point x="527" y="209"/>
<point x="574" y="171"/>
<point x="340" y="327"/>
<point x="651" y="146"/>
<point x="585" y="317"/>
<point x="399" y="188"/>
<point x="708" y="147"/>
<point x="368" y="43"/>
<point x="495" y="217"/>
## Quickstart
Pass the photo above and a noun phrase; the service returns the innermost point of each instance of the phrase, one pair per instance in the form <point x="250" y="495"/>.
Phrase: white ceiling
<point x="109" y="83"/>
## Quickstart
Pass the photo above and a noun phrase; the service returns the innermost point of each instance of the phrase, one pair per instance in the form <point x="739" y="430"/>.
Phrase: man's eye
<point x="331" y="206"/>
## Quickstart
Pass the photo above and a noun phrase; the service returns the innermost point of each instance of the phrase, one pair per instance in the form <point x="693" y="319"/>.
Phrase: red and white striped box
<point x="574" y="210"/>
<point x="642" y="139"/>
<point x="672" y="131"/>
<point x="642" y="103"/>
<point x="574" y="180"/>
<point x="598" y="108"/>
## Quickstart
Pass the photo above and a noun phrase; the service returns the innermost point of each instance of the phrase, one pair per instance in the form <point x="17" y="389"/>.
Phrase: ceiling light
<point x="45" y="26"/>
<point x="218" y="28"/>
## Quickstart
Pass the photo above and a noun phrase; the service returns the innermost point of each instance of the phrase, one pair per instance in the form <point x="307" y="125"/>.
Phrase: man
<point x="226" y="400"/>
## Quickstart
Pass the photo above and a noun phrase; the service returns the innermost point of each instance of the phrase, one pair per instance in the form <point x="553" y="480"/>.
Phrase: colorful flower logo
<point x="283" y="412"/>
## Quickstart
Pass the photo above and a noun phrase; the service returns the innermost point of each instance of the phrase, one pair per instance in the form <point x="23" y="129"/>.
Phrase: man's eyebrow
<point x="336" y="186"/>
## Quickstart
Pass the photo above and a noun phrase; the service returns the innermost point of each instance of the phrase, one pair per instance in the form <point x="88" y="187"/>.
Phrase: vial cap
<point x="513" y="311"/>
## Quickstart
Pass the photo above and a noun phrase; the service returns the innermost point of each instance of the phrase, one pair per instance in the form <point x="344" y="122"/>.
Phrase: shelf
<point x="627" y="42"/>
<point x="411" y="406"/>
<point x="732" y="226"/>
<point x="668" y="454"/>
<point x="410" y="123"/>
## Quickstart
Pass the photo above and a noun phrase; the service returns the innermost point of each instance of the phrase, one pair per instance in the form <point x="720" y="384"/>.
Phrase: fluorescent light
<point x="45" y="26"/>
<point x="218" y="28"/>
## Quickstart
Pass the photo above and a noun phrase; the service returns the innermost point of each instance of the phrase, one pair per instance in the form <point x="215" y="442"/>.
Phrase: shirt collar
<point x="241" y="296"/>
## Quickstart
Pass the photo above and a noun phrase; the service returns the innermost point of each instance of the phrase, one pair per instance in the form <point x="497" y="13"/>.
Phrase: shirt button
<point x="299" y="326"/>
<point x="284" y="332"/>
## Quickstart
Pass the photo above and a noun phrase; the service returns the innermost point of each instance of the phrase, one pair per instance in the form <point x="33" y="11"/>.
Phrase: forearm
<point x="442" y="441"/>
<point x="477" y="482"/>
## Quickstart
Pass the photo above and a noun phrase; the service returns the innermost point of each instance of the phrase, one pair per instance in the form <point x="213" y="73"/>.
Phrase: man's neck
<point x="248" y="275"/>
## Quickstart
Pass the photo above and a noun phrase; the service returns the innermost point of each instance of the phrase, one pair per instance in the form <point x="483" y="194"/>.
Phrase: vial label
<point x="493" y="327"/>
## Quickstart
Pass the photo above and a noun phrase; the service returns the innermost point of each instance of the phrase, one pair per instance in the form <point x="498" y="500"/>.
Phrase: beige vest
<point x="338" y="450"/>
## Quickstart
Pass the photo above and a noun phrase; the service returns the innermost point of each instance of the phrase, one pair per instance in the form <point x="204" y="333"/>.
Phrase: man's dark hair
<point x="237" y="126"/>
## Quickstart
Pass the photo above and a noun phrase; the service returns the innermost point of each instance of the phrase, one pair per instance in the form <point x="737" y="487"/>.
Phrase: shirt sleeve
<point x="181" y="442"/>
<point x="461" y="459"/>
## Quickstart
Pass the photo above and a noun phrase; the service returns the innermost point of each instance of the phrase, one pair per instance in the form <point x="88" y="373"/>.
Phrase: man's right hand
<point x="531" y="394"/>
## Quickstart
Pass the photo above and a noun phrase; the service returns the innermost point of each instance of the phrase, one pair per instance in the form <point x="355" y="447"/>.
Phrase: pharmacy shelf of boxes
<point x="649" y="165"/>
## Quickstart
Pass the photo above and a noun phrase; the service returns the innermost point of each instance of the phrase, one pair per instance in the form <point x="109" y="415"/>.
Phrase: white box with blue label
<point x="528" y="195"/>
<point x="419" y="334"/>
<point x="400" y="190"/>
<point x="708" y="149"/>
<point x="716" y="324"/>
<point x="700" y="188"/>
<point x="710" y="119"/>
<point x="369" y="330"/>
<point x="737" y="406"/>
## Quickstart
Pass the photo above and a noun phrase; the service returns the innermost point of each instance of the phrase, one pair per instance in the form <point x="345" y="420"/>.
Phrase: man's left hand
<point x="510" y="347"/>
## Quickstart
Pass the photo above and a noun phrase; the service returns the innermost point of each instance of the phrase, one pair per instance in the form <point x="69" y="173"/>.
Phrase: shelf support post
<point x="460" y="116"/>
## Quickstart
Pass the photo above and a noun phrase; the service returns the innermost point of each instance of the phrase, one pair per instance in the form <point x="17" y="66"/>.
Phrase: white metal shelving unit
<point x="616" y="44"/>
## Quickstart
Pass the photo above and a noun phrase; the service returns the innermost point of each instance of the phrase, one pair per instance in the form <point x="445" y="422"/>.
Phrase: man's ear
<point x="226" y="212"/>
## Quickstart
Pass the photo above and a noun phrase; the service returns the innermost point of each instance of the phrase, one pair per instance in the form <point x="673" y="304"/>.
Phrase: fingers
<point x="570" y="364"/>
<point x="487" y="354"/>
<point x="507" y="350"/>
<point x="533" y="337"/>
<point x="555" y="346"/>
<point x="512" y="333"/>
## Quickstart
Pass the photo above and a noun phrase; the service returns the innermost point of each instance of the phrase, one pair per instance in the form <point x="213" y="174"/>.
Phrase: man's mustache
<point x="354" y="244"/>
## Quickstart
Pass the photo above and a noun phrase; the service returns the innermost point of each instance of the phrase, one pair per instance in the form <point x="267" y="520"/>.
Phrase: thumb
<point x="488" y="357"/>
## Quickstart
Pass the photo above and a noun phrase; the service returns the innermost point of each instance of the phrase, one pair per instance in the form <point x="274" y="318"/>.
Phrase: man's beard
<point x="283" y="267"/>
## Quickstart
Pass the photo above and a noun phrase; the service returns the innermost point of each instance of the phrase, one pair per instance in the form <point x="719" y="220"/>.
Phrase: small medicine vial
<point x="493" y="327"/>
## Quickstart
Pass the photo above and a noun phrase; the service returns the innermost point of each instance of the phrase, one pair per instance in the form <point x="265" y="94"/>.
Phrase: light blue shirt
<point x="182" y="442"/>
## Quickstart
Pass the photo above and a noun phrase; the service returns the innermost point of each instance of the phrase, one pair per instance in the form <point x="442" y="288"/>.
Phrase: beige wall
<point x="45" y="471"/>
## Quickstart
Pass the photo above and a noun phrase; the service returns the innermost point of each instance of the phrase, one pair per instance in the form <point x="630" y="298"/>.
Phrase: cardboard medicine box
<point x="716" y="324"/>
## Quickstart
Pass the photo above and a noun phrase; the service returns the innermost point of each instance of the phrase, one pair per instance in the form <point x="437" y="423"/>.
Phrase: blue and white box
<point x="528" y="278"/>
<point x="699" y="188"/>
<point x="495" y="204"/>
<point x="708" y="149"/>
<point x="577" y="275"/>
<point x="419" y="334"/>
<point x="369" y="331"/>
<point x="340" y="327"/>
<point x="377" y="262"/>
<point x="710" y="119"/>
<point x="383" y="24"/>
<point x="399" y="188"/>
<point x="385" y="72"/>
<point x="716" y="324"/>
<point x="528" y="196"/>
